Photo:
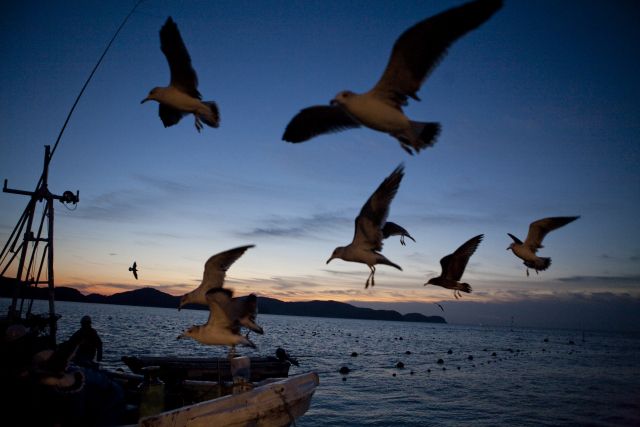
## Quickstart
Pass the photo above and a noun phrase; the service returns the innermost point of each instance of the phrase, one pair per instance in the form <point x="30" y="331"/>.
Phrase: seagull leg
<point x="373" y="272"/>
<point x="370" y="278"/>
<point x="527" y="272"/>
<point x="198" y="123"/>
<point x="402" y="240"/>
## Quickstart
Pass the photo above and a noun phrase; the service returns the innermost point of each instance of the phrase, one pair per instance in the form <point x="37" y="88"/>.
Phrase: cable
<point x="90" y="76"/>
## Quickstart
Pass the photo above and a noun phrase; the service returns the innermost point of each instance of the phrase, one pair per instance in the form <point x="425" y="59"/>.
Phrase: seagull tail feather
<point x="465" y="287"/>
<point x="212" y="116"/>
<point x="539" y="263"/>
<point x="385" y="261"/>
<point x="425" y="134"/>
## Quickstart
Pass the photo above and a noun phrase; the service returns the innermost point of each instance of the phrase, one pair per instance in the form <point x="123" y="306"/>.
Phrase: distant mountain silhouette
<point x="150" y="297"/>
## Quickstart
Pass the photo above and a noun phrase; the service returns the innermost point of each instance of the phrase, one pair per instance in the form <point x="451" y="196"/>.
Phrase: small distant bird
<point x="414" y="56"/>
<point x="282" y="356"/>
<point x="453" y="266"/>
<point x="215" y="270"/>
<point x="181" y="97"/>
<point x="225" y="318"/>
<point x="537" y="230"/>
<point x="367" y="240"/>
<point x="134" y="270"/>
<point x="393" y="229"/>
<point x="439" y="306"/>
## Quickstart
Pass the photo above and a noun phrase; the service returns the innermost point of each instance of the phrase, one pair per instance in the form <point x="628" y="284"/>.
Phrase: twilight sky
<point x="540" y="109"/>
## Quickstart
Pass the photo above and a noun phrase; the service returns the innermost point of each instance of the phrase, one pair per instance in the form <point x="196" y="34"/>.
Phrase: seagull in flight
<point x="393" y="229"/>
<point x="453" y="266"/>
<point x="215" y="270"/>
<point x="226" y="316"/>
<point x="367" y="240"/>
<point x="537" y="230"/>
<point x="414" y="56"/>
<point x="181" y="97"/>
<point x="134" y="270"/>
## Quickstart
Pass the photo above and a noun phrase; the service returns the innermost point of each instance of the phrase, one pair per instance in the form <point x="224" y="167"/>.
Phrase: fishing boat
<point x="43" y="388"/>
<point x="272" y="402"/>
<point x="173" y="368"/>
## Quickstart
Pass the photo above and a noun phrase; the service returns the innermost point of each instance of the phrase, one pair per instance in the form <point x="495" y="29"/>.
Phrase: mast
<point x="26" y="243"/>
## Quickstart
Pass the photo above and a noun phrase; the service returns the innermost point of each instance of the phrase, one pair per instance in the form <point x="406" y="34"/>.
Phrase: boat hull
<point x="274" y="404"/>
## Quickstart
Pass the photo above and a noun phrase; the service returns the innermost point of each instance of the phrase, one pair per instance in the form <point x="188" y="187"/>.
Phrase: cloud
<point x="605" y="280"/>
<point x="165" y="186"/>
<point x="451" y="218"/>
<point x="132" y="205"/>
<point x="123" y="205"/>
<point x="298" y="226"/>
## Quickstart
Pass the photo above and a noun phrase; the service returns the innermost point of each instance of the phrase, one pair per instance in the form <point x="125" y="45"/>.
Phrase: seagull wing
<point x="317" y="120"/>
<point x="419" y="49"/>
<point x="515" y="239"/>
<point x="135" y="273"/>
<point x="245" y="311"/>
<point x="538" y="229"/>
<point x="393" y="229"/>
<point x="453" y="265"/>
<point x="183" y="75"/>
<point x="169" y="115"/>
<point x="219" y="301"/>
<point x="216" y="267"/>
<point x="368" y="228"/>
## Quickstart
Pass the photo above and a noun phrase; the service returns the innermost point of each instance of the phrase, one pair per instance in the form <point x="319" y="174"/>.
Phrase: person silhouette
<point x="89" y="345"/>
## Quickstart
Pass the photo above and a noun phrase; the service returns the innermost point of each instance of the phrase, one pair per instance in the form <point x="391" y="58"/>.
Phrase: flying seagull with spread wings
<point x="226" y="315"/>
<point x="181" y="97"/>
<point x="134" y="270"/>
<point x="414" y="56"/>
<point x="215" y="270"/>
<point x="367" y="240"/>
<point x="453" y="266"/>
<point x="537" y="230"/>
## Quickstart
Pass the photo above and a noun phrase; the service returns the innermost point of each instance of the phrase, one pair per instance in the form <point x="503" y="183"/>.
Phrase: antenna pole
<point x="30" y="242"/>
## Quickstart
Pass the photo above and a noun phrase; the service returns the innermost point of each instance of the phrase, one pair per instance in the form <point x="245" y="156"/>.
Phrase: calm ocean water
<point x="536" y="377"/>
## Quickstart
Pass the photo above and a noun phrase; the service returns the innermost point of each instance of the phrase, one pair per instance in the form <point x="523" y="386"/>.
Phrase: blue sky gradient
<point x="540" y="109"/>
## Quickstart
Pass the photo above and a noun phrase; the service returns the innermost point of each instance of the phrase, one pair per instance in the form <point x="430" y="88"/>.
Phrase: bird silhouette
<point x="414" y="56"/>
<point x="368" y="236"/>
<point x="453" y="266"/>
<point x="134" y="270"/>
<point x="181" y="97"/>
<point x="537" y="231"/>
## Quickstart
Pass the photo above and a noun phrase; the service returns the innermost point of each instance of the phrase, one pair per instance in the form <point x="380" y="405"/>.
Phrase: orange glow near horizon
<point x="380" y="294"/>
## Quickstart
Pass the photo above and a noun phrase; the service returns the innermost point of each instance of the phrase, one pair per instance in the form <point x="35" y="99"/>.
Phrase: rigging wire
<point x="73" y="107"/>
<point x="86" y="83"/>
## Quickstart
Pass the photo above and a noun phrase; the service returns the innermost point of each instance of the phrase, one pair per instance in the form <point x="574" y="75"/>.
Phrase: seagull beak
<point x="333" y="103"/>
<point x="145" y="100"/>
<point x="329" y="260"/>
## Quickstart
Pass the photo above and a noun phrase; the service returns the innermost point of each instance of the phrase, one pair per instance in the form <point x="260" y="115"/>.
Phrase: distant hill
<point x="150" y="297"/>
